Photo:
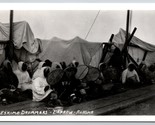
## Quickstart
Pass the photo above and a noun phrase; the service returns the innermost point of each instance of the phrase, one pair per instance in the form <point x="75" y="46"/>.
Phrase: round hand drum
<point x="55" y="76"/>
<point x="93" y="74"/>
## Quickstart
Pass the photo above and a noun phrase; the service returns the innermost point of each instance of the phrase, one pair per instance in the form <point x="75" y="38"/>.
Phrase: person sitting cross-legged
<point x="130" y="77"/>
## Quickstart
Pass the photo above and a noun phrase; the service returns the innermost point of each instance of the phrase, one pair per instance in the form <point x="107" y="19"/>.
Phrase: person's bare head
<point x="131" y="67"/>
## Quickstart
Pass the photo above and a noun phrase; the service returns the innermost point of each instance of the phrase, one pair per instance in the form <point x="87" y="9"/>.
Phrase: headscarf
<point x="20" y="64"/>
<point x="6" y="66"/>
<point x="39" y="72"/>
<point x="55" y="64"/>
<point x="23" y="77"/>
<point x="40" y="65"/>
<point x="5" y="63"/>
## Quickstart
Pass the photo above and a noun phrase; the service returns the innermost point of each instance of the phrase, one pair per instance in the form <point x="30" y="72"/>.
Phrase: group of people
<point x="30" y="82"/>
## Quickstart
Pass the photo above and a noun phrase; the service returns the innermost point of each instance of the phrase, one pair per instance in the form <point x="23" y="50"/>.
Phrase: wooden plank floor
<point x="95" y="107"/>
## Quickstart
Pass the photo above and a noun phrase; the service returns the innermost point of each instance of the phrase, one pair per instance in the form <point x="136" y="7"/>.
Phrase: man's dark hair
<point x="63" y="64"/>
<point x="39" y="60"/>
<point x="131" y="67"/>
<point x="24" y="67"/>
<point x="58" y="67"/>
<point x="46" y="72"/>
<point x="76" y="64"/>
<point x="47" y="63"/>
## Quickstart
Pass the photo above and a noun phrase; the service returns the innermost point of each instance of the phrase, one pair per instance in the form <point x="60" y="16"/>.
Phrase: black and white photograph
<point x="77" y="62"/>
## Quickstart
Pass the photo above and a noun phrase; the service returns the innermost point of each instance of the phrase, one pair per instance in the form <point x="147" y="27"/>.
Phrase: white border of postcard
<point x="77" y="6"/>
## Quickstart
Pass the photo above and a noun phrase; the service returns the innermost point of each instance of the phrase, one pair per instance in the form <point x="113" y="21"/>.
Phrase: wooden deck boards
<point x="99" y="106"/>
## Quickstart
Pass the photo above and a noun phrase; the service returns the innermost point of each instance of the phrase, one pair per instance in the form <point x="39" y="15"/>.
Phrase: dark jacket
<point x="7" y="77"/>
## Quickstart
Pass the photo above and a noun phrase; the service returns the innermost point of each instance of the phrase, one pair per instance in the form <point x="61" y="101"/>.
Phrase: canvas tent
<point x="136" y="48"/>
<point x="26" y="46"/>
<point x="58" y="50"/>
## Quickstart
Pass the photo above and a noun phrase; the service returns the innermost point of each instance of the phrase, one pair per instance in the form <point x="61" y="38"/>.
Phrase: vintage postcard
<point x="77" y="62"/>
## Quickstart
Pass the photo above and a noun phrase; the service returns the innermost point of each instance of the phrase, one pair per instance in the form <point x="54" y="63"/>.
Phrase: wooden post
<point x="128" y="41"/>
<point x="10" y="46"/>
<point x="127" y="24"/>
<point x="126" y="38"/>
<point x="145" y="54"/>
<point x="11" y="26"/>
<point x="132" y="60"/>
<point x="106" y="47"/>
<point x="124" y="50"/>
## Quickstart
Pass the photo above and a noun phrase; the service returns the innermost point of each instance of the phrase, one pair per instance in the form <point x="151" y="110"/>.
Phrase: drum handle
<point x="62" y="93"/>
<point x="83" y="71"/>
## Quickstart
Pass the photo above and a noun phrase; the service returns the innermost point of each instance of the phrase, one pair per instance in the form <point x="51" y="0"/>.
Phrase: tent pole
<point x="124" y="50"/>
<point x="11" y="26"/>
<point x="105" y="49"/>
<point x="10" y="46"/>
<point x="127" y="24"/>
<point x="127" y="33"/>
<point x="128" y="41"/>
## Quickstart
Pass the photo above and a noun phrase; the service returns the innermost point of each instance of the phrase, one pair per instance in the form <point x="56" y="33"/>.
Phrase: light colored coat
<point x="129" y="74"/>
<point x="23" y="78"/>
<point x="38" y="85"/>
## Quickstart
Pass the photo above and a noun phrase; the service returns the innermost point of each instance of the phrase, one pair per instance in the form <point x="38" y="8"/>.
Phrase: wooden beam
<point x="127" y="25"/>
<point x="3" y="42"/>
<point x="124" y="50"/>
<point x="10" y="46"/>
<point x="128" y="41"/>
<point x="106" y="47"/>
<point x="133" y="61"/>
<point x="145" y="54"/>
<point x="11" y="26"/>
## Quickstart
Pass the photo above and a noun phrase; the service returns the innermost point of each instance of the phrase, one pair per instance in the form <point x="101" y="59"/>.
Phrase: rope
<point x="86" y="38"/>
<point x="92" y="25"/>
<point x="130" y="21"/>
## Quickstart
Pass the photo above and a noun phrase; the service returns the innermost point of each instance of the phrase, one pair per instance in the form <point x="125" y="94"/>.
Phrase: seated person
<point x="130" y="76"/>
<point x="7" y="78"/>
<point x="53" y="100"/>
<point x="23" y="76"/>
<point x="40" y="88"/>
<point x="9" y="83"/>
<point x="33" y="66"/>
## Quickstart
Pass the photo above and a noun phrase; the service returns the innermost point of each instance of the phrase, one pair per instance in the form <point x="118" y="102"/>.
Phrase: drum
<point x="93" y="74"/>
<point x="55" y="76"/>
<point x="82" y="71"/>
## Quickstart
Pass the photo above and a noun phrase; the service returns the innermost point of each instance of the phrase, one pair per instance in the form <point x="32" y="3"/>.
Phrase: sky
<point x="67" y="24"/>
